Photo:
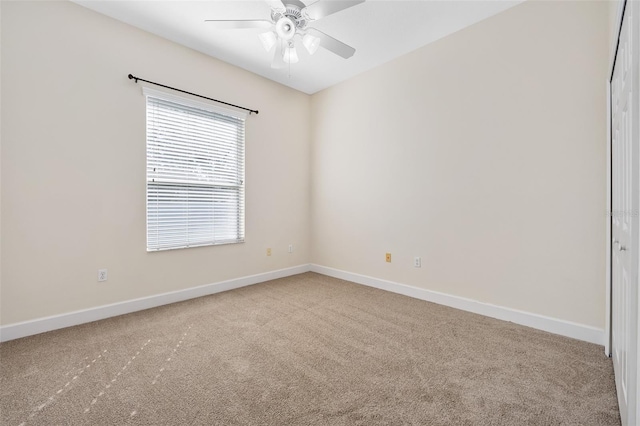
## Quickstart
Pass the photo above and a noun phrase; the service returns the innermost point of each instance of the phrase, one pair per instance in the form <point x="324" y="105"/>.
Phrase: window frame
<point x="188" y="102"/>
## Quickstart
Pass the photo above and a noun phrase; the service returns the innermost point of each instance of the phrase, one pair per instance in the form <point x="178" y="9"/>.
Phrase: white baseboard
<point x="40" y="325"/>
<point x="540" y="322"/>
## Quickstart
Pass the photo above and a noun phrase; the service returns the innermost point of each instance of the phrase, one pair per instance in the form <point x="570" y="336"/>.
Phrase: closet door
<point x="625" y="192"/>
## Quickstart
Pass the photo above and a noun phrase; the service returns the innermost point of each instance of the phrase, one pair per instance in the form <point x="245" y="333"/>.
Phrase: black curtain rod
<point x="133" y="77"/>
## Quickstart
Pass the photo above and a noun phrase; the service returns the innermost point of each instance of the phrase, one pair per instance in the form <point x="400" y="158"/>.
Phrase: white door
<point x="625" y="192"/>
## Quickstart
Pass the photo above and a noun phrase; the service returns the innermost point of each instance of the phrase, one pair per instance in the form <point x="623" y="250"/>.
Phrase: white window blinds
<point x="195" y="176"/>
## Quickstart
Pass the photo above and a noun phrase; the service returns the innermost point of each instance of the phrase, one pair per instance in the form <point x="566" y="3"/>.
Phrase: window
<point x="195" y="173"/>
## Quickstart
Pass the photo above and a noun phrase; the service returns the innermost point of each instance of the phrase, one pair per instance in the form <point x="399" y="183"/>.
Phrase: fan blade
<point x="281" y="4"/>
<point x="330" y="43"/>
<point x="223" y="24"/>
<point x="295" y="3"/>
<point x="274" y="4"/>
<point x="323" y="8"/>
<point x="277" y="61"/>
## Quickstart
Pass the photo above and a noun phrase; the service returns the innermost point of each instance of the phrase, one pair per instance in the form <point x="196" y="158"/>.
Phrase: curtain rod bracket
<point x="133" y="77"/>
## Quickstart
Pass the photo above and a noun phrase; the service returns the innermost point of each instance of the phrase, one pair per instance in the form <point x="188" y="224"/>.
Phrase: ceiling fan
<point x="289" y="23"/>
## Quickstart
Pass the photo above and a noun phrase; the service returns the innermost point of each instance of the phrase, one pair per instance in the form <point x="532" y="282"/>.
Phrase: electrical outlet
<point x="102" y="275"/>
<point x="417" y="262"/>
<point x="388" y="257"/>
<point x="290" y="248"/>
<point x="269" y="252"/>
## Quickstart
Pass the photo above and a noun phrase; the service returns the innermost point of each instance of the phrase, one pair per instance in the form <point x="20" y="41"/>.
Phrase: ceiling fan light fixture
<point x="290" y="56"/>
<point x="311" y="43"/>
<point x="285" y="28"/>
<point x="290" y="19"/>
<point x="268" y="40"/>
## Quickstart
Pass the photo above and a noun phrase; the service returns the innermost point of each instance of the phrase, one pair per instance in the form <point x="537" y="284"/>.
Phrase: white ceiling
<point x="379" y="30"/>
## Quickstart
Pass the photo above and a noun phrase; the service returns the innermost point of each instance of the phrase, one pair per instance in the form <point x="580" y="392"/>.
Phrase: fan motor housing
<point x="294" y="13"/>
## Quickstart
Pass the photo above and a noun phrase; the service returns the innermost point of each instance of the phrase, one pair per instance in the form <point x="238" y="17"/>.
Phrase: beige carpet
<point x="304" y="350"/>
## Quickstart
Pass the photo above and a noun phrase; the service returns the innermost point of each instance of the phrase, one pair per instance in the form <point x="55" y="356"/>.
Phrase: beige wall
<point x="483" y="153"/>
<point x="73" y="164"/>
